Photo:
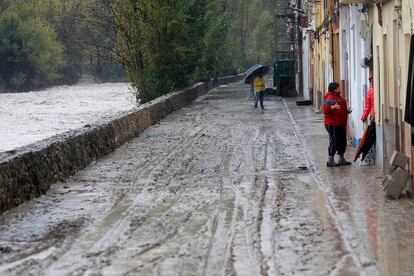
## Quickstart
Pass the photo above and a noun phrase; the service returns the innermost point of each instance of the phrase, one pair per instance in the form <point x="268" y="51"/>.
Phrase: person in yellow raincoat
<point x="259" y="88"/>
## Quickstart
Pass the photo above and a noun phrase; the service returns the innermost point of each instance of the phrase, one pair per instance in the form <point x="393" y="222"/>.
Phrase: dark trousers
<point x="337" y="139"/>
<point x="259" y="97"/>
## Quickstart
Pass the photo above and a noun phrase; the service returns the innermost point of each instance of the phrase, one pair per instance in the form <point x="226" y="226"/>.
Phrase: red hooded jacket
<point x="369" y="105"/>
<point x="335" y="117"/>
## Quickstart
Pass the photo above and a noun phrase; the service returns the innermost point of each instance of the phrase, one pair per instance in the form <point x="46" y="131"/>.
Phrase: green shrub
<point x="30" y="54"/>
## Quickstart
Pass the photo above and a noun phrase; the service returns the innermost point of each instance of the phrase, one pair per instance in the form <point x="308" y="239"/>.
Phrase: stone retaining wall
<point x="28" y="171"/>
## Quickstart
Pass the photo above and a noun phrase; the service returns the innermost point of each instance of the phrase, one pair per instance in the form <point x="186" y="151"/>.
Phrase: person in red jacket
<point x="369" y="103"/>
<point x="370" y="111"/>
<point x="335" y="120"/>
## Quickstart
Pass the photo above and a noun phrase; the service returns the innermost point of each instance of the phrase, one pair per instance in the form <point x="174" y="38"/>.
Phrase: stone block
<point x="399" y="160"/>
<point x="394" y="182"/>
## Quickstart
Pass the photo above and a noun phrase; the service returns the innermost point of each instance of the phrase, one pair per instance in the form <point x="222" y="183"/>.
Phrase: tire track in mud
<point x="267" y="210"/>
<point x="224" y="233"/>
<point x="214" y="226"/>
<point x="285" y="188"/>
<point x="245" y="225"/>
<point x="181" y="159"/>
<point x="209" y="256"/>
<point x="117" y="227"/>
<point x="118" y="209"/>
<point x="242" y="226"/>
<point x="213" y="223"/>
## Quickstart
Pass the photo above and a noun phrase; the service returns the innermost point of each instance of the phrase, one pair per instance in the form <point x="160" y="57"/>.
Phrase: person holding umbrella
<point x="254" y="77"/>
<point x="369" y="135"/>
<point x="259" y="87"/>
<point x="369" y="103"/>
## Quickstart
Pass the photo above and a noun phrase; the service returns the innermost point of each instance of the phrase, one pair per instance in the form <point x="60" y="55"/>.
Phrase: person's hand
<point x="335" y="106"/>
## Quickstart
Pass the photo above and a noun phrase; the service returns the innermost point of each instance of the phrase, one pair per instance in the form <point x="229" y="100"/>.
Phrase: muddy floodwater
<point x="32" y="116"/>
<point x="216" y="188"/>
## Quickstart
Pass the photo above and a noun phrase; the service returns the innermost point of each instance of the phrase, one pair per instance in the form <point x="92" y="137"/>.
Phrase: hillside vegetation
<point x="157" y="45"/>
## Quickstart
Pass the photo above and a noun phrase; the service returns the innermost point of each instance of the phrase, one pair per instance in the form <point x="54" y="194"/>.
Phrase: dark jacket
<point x="335" y="117"/>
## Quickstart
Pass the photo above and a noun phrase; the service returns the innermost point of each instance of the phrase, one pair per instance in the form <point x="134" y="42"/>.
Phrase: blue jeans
<point x="259" y="97"/>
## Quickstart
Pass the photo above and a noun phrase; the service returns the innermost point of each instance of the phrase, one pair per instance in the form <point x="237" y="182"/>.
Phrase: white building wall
<point x="328" y="65"/>
<point x="305" y="65"/>
<point x="343" y="46"/>
<point x="355" y="76"/>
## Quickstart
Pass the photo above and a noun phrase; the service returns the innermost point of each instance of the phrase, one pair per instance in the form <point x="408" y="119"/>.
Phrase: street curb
<point x="29" y="171"/>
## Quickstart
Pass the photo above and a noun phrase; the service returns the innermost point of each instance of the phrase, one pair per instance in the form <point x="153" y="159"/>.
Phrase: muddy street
<point x="216" y="188"/>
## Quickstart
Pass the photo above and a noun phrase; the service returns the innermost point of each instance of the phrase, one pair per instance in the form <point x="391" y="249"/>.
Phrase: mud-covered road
<point x="216" y="188"/>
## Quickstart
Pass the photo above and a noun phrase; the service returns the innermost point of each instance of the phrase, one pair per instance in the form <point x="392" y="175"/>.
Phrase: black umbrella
<point x="257" y="69"/>
<point x="367" y="141"/>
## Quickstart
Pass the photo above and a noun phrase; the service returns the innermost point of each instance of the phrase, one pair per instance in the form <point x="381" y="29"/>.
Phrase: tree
<point x="159" y="42"/>
<point x="217" y="58"/>
<point x="261" y="44"/>
<point x="67" y="18"/>
<point x="251" y="32"/>
<point x="166" y="45"/>
<point x="171" y="44"/>
<point x="29" y="52"/>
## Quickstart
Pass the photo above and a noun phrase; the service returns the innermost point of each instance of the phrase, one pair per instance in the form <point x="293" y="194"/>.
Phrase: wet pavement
<point x="379" y="231"/>
<point x="216" y="188"/>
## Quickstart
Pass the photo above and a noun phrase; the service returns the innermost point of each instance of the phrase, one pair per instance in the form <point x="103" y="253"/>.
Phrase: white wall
<point x="305" y="65"/>
<point x="352" y="49"/>
<point x="328" y="64"/>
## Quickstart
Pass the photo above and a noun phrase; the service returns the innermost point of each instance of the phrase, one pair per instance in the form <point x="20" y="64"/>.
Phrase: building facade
<point x="350" y="40"/>
<point x="392" y="23"/>
<point x="354" y="36"/>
